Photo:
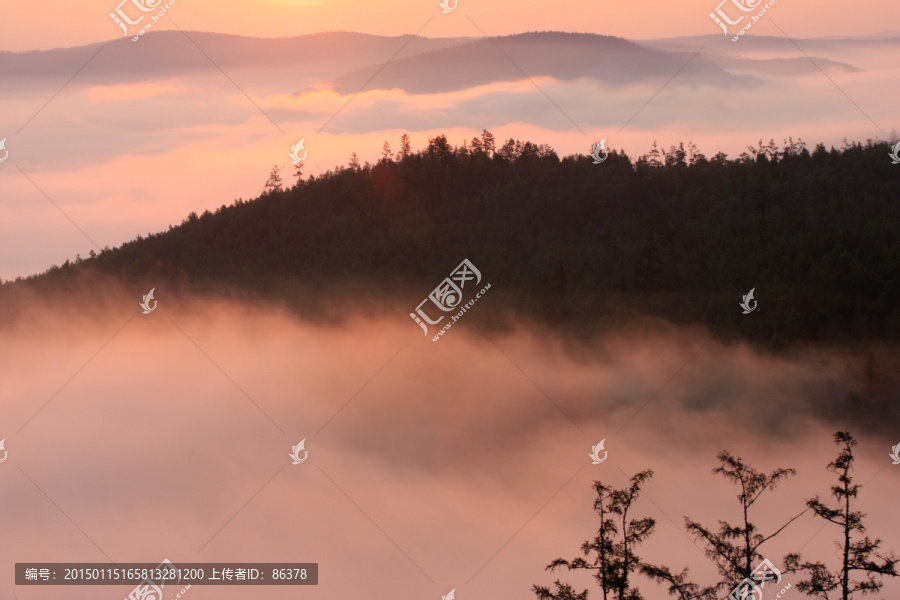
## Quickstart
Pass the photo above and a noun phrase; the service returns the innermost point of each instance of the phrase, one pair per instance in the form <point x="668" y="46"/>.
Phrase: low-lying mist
<point x="456" y="464"/>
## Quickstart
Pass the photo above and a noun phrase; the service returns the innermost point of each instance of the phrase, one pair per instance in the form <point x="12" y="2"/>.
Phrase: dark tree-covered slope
<point x="567" y="242"/>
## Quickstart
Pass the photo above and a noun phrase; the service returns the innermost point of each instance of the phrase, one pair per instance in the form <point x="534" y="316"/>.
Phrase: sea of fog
<point x="462" y="464"/>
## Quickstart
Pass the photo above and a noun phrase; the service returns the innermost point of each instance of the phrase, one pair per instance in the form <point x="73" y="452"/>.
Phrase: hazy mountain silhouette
<point x="424" y="65"/>
<point x="758" y="43"/>
<point x="563" y="56"/>
<point x="784" y="67"/>
<point x="171" y="53"/>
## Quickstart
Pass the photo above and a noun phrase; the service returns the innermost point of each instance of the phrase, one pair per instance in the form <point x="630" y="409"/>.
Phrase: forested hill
<point x="566" y="241"/>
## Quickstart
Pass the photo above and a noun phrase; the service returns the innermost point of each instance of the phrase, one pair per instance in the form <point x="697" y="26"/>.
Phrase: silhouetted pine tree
<point x="612" y="553"/>
<point x="487" y="142"/>
<point x="405" y="147"/>
<point x="273" y="183"/>
<point x="735" y="548"/>
<point x="862" y="562"/>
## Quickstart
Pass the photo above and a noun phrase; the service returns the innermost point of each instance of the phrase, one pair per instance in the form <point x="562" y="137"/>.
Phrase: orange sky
<point x="55" y="23"/>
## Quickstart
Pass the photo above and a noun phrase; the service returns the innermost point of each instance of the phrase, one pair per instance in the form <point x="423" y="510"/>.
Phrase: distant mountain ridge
<point x="564" y="56"/>
<point x="425" y="65"/>
<point x="163" y="53"/>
